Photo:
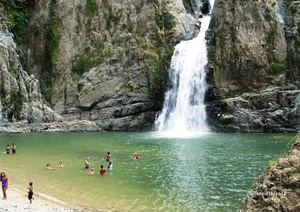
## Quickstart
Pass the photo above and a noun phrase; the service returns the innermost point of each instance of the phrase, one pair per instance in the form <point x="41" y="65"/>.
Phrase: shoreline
<point x="17" y="201"/>
<point x="62" y="126"/>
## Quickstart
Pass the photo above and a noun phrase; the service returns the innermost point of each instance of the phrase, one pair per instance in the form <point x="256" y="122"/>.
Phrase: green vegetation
<point x="277" y="68"/>
<point x="18" y="16"/>
<point x="51" y="53"/>
<point x="272" y="35"/>
<point x="89" y="58"/>
<point x="294" y="6"/>
<point x="159" y="57"/>
<point x="163" y="63"/>
<point x="254" y="10"/>
<point x="110" y="17"/>
<point x="54" y="35"/>
<point x="2" y="93"/>
<point x="16" y="100"/>
<point x="164" y="20"/>
<point x="91" y="7"/>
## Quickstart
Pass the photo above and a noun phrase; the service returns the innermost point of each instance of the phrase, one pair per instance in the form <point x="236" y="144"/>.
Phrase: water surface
<point x="208" y="173"/>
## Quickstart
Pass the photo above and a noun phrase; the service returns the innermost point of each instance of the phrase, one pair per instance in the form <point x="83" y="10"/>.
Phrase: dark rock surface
<point x="276" y="109"/>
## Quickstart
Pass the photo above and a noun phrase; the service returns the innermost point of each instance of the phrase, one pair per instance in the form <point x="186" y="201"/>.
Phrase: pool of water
<point x="209" y="173"/>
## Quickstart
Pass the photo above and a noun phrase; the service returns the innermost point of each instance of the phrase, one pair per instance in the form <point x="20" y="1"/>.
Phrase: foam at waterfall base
<point x="180" y="134"/>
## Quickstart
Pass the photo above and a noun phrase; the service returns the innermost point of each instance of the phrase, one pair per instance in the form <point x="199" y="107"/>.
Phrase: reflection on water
<point x="208" y="173"/>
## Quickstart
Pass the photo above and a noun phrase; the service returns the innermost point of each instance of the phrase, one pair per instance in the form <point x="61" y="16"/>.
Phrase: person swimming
<point x="135" y="156"/>
<point x="48" y="166"/>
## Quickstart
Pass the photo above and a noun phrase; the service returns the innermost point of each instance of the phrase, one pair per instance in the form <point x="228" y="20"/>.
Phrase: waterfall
<point x="184" y="111"/>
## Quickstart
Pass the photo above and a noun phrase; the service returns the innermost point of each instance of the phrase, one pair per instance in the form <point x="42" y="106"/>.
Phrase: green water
<point x="210" y="173"/>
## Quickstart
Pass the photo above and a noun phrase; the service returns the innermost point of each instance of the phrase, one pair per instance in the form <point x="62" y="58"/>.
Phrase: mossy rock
<point x="277" y="68"/>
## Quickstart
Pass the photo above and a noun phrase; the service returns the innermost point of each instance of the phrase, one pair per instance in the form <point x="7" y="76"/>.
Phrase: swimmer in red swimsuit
<point x="102" y="171"/>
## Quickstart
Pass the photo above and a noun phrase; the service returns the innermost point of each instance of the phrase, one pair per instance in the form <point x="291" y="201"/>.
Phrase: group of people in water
<point x="11" y="149"/>
<point x="4" y="179"/>
<point x="108" y="158"/>
<point x="60" y="166"/>
<point x="102" y="171"/>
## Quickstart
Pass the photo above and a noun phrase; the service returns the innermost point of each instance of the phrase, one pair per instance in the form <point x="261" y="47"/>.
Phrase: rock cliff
<point x="105" y="60"/>
<point x="253" y="68"/>
<point x="278" y="189"/>
<point x="20" y="96"/>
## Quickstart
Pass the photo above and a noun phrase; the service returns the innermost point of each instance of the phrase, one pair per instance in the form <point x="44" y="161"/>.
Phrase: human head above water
<point x="2" y="174"/>
<point x="31" y="183"/>
<point x="101" y="166"/>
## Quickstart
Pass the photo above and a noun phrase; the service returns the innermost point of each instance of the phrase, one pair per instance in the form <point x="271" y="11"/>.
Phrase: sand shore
<point x="18" y="202"/>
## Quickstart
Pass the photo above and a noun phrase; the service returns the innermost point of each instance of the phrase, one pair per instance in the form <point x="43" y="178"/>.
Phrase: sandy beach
<point x="17" y="201"/>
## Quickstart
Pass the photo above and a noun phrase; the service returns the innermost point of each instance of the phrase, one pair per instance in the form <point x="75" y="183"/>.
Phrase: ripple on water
<point x="208" y="173"/>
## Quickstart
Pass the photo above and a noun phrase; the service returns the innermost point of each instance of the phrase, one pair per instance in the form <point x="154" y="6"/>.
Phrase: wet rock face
<point x="272" y="110"/>
<point x="247" y="46"/>
<point x="278" y="188"/>
<point x="250" y="67"/>
<point x="106" y="60"/>
<point x="20" y="96"/>
<point x="293" y="40"/>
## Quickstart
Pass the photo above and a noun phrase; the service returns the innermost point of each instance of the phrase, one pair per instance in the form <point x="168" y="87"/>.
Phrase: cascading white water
<point x="184" y="110"/>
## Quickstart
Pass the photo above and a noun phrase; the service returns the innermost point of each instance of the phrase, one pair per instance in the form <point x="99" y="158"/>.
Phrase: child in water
<point x="102" y="170"/>
<point x="60" y="165"/>
<point x="92" y="172"/>
<point x="48" y="166"/>
<point x="30" y="192"/>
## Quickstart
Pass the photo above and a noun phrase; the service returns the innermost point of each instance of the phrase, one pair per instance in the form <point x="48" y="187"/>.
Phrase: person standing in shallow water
<point x="108" y="157"/>
<point x="13" y="148"/>
<point x="87" y="163"/>
<point x="7" y="149"/>
<point x="60" y="165"/>
<point x="4" y="182"/>
<point x="30" y="192"/>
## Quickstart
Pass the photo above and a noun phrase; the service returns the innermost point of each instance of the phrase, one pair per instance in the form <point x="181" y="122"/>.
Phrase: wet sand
<point x="17" y="201"/>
